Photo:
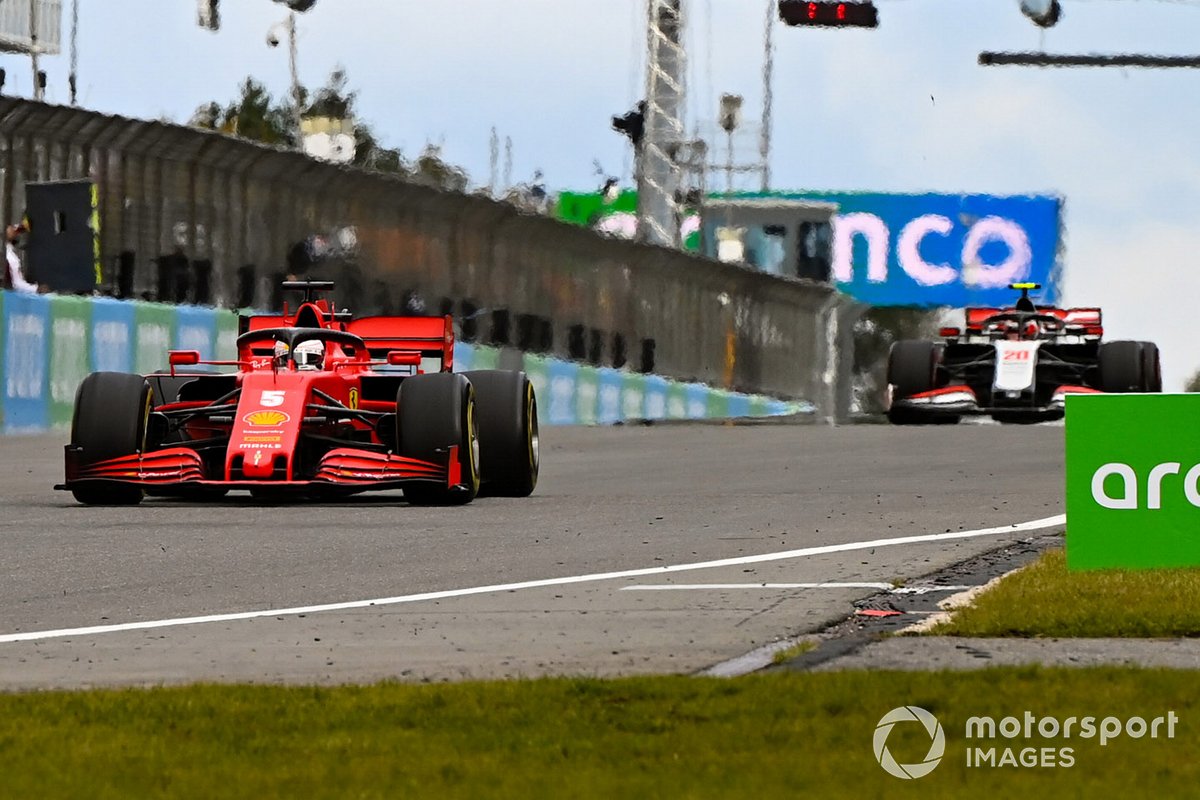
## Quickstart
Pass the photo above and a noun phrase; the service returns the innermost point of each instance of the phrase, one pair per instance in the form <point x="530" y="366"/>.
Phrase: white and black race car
<point x="1016" y="364"/>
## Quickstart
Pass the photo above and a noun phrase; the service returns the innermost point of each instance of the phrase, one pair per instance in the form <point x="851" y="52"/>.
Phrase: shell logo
<point x="265" y="419"/>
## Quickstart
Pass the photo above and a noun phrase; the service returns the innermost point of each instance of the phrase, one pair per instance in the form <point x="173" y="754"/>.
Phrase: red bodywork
<point x="279" y="427"/>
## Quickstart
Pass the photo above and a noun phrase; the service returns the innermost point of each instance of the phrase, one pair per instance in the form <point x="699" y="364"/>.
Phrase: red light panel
<point x="829" y="14"/>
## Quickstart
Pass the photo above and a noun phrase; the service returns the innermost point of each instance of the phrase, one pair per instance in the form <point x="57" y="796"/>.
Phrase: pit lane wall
<point x="49" y="343"/>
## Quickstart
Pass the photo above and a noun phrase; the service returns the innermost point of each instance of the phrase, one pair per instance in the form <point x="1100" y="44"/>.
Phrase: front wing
<point x="961" y="399"/>
<point x="345" y="467"/>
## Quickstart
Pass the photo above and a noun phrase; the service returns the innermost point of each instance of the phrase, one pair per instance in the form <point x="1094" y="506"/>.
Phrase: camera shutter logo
<point x="937" y="745"/>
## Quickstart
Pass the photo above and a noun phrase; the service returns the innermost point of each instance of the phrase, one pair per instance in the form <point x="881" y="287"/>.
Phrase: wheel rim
<point x="473" y="437"/>
<point x="534" y="444"/>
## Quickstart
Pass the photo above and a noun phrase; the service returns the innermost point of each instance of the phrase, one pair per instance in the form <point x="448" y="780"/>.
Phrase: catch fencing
<point x="194" y="216"/>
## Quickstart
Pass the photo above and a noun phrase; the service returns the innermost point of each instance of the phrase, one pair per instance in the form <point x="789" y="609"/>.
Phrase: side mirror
<point x="404" y="358"/>
<point x="182" y="358"/>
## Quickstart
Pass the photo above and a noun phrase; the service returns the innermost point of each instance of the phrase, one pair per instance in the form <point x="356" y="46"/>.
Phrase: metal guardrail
<point x="239" y="216"/>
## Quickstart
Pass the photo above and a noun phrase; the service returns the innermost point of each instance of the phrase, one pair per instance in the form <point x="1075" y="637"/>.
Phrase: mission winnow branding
<point x="1133" y="481"/>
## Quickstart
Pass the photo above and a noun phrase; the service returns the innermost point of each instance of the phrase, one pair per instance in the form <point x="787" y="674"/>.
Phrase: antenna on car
<point x="310" y="288"/>
<point x="1025" y="304"/>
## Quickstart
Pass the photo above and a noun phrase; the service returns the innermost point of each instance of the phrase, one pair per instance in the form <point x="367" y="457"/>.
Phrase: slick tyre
<point x="506" y="409"/>
<point x="433" y="413"/>
<point x="1122" y="367"/>
<point x="1151" y="368"/>
<point x="912" y="369"/>
<point x="112" y="410"/>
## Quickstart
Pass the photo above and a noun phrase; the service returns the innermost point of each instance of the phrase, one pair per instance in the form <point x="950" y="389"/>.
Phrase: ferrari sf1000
<point x="319" y="404"/>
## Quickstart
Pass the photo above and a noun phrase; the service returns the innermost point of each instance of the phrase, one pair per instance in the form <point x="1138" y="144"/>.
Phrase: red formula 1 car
<point x="321" y="405"/>
<point x="1017" y="364"/>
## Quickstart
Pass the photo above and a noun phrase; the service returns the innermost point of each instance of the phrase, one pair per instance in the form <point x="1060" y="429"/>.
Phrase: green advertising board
<point x="154" y="330"/>
<point x="677" y="401"/>
<point x="587" y="396"/>
<point x="227" y="333"/>
<point x="1133" y="481"/>
<point x="486" y="358"/>
<point x="633" y="396"/>
<point x="70" y="353"/>
<point x="593" y="209"/>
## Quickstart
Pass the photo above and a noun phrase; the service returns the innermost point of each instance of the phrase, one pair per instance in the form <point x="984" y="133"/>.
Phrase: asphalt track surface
<point x="632" y="498"/>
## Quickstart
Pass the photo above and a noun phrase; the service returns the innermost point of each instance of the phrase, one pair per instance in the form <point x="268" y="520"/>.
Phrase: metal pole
<point x="729" y="163"/>
<point x="296" y="98"/>
<point x="73" y="78"/>
<point x="33" y="49"/>
<point x="991" y="59"/>
<point x="659" y="174"/>
<point x="768" y="97"/>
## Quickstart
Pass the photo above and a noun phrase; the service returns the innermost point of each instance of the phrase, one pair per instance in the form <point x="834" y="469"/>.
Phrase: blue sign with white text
<point x="953" y="250"/>
<point x="26" y="361"/>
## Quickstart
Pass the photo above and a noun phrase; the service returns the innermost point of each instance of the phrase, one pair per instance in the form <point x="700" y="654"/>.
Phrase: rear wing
<point x="1089" y="317"/>
<point x="432" y="337"/>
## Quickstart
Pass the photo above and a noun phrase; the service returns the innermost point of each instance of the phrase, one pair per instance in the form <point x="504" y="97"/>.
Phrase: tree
<point x="432" y="170"/>
<point x="255" y="115"/>
<point x="252" y="116"/>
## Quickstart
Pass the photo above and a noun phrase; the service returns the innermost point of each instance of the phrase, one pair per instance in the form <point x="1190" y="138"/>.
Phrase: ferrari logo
<point x="354" y="399"/>
<point x="265" y="419"/>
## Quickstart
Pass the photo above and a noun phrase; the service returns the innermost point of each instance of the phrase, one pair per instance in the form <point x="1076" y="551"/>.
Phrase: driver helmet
<point x="281" y="354"/>
<point x="309" y="354"/>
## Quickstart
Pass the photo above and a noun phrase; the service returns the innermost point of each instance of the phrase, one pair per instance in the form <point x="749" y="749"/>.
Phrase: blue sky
<point x="900" y="108"/>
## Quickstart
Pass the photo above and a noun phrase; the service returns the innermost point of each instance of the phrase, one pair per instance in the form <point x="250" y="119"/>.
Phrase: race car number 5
<point x="271" y="398"/>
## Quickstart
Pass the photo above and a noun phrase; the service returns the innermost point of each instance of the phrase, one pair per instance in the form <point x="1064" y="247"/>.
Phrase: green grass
<point x="780" y="735"/>
<point x="798" y="649"/>
<point x="1044" y="599"/>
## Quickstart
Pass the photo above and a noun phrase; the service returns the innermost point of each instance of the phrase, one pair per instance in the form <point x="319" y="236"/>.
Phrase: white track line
<point x="891" y="588"/>
<point x="33" y="636"/>
<point x="667" y="587"/>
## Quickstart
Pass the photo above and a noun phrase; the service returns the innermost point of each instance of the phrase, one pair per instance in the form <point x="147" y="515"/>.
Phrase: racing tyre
<point x="434" y="412"/>
<point x="112" y="410"/>
<point x="912" y="369"/>
<point x="1122" y="367"/>
<point x="1151" y="368"/>
<point x="508" y="432"/>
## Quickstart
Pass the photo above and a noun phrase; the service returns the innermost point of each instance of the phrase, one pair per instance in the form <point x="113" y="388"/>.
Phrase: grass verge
<point x="780" y="735"/>
<point x="798" y="649"/>
<point x="1044" y="599"/>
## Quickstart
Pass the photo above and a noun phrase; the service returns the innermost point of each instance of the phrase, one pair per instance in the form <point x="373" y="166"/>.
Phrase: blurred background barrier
<point x="49" y="343"/>
<point x="188" y="216"/>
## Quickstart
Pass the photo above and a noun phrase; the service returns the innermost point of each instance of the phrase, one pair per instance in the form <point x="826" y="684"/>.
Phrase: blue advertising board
<point x="112" y="335"/>
<point x="953" y="250"/>
<point x="196" y="329"/>
<point x="26" y="362"/>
